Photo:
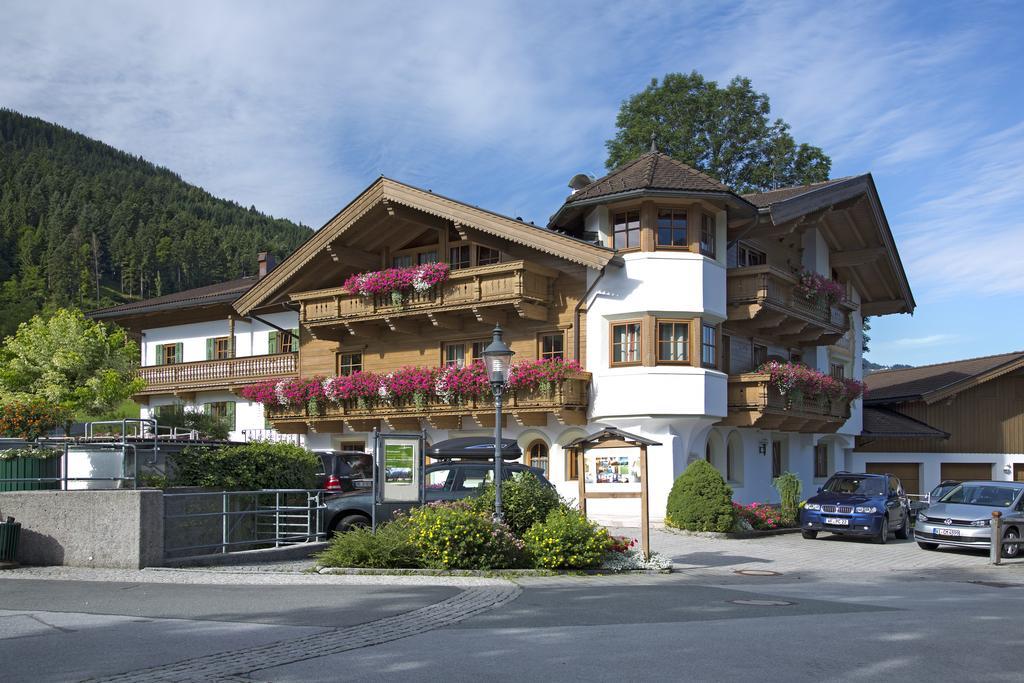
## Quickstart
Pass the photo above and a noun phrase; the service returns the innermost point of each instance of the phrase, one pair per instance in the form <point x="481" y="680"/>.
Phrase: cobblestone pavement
<point x="236" y="664"/>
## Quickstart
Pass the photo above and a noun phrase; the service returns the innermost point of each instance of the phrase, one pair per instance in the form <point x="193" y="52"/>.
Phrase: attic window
<point x="626" y="230"/>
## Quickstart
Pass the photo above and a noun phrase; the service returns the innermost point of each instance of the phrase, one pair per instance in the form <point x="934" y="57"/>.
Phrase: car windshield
<point x="987" y="495"/>
<point x="865" y="486"/>
<point x="941" y="490"/>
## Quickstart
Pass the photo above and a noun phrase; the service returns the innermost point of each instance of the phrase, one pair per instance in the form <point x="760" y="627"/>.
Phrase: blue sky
<point x="296" y="107"/>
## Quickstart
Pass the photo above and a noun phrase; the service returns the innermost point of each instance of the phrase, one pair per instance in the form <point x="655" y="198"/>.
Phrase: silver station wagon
<point x="962" y="517"/>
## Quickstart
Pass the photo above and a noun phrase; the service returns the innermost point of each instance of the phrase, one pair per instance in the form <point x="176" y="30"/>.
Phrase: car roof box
<point x="474" y="448"/>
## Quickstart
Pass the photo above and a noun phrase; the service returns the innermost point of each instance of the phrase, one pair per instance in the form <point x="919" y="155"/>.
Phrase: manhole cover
<point x="756" y="572"/>
<point x="761" y="603"/>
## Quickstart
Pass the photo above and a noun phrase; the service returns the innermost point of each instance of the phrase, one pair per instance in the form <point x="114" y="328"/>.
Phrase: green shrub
<point x="392" y="547"/>
<point x="700" y="500"/>
<point x="455" y="536"/>
<point x="566" y="539"/>
<point x="789" y="487"/>
<point x="257" y="465"/>
<point x="30" y="419"/>
<point x="524" y="501"/>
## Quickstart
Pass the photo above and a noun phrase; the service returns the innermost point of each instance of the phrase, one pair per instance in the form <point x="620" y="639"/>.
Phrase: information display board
<point x="613" y="467"/>
<point x="400" y="465"/>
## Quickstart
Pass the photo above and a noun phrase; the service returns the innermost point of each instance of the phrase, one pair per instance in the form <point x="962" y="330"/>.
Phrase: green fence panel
<point x="29" y="468"/>
<point x="10" y="532"/>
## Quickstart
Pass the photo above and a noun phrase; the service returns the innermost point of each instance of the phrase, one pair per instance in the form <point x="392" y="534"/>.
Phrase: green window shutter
<point x="210" y="341"/>
<point x="295" y="338"/>
<point x="207" y="408"/>
<point x="159" y="354"/>
<point x="230" y="415"/>
<point x="273" y="344"/>
<point x="179" y="353"/>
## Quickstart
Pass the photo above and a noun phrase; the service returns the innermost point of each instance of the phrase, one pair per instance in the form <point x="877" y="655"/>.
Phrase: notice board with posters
<point x="400" y="463"/>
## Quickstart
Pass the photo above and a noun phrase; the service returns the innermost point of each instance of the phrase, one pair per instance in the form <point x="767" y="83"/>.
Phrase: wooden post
<point x="231" y="336"/>
<point x="580" y="454"/>
<point x="645" y="522"/>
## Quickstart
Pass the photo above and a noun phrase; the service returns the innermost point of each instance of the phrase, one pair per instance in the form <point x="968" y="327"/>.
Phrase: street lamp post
<point x="497" y="358"/>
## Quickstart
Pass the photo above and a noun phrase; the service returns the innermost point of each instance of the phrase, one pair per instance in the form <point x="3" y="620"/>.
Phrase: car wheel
<point x="350" y="522"/>
<point x="927" y="546"/>
<point x="903" y="533"/>
<point x="809" y="535"/>
<point x="883" y="532"/>
<point x="1011" y="551"/>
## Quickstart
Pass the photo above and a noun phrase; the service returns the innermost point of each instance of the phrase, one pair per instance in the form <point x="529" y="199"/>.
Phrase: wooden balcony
<point x="489" y="293"/>
<point x="754" y="402"/>
<point x="566" y="402"/>
<point x="228" y="373"/>
<point x="762" y="303"/>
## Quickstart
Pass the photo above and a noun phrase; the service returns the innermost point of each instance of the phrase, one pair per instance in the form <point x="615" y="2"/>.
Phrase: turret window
<point x="626" y="230"/>
<point x="626" y="343"/>
<point x="707" y="235"/>
<point x="674" y="341"/>
<point x="671" y="228"/>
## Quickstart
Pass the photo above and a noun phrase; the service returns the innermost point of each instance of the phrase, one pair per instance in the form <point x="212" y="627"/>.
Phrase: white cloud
<point x="928" y="340"/>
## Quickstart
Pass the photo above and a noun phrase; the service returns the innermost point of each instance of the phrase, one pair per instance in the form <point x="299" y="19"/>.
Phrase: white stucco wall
<point x="252" y="338"/>
<point x="931" y="463"/>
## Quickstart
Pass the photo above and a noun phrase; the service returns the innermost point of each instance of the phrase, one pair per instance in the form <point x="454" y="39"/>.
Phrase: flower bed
<point x="795" y="379"/>
<point x="761" y="517"/>
<point x="449" y="385"/>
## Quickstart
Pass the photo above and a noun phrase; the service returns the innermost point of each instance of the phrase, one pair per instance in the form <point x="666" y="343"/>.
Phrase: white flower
<point x="382" y="389"/>
<point x="279" y="392"/>
<point x="418" y="282"/>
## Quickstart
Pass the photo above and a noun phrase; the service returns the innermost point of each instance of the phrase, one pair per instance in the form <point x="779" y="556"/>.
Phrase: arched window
<point x="537" y="456"/>
<point x="707" y="451"/>
<point x="734" y="458"/>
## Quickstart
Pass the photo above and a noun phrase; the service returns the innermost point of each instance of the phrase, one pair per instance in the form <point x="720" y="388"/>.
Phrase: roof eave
<point x="568" y="207"/>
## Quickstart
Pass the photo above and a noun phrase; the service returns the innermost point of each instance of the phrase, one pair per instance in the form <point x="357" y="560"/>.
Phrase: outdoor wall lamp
<point x="497" y="359"/>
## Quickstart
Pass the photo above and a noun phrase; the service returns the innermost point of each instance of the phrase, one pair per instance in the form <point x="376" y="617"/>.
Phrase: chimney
<point x="266" y="263"/>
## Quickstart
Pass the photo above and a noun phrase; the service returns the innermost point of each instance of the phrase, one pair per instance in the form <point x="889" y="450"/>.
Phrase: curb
<point x="487" y="573"/>
<point x="733" y="535"/>
<point x="297" y="551"/>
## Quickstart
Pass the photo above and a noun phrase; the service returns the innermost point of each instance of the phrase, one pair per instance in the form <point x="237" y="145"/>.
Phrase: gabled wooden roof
<point x="388" y="192"/>
<point x="931" y="383"/>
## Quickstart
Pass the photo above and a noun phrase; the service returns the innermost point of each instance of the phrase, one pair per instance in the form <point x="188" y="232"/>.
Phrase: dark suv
<point x="450" y="480"/>
<point x="858" y="505"/>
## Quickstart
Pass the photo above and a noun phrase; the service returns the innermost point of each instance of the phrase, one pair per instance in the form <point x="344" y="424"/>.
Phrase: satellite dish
<point x="579" y="181"/>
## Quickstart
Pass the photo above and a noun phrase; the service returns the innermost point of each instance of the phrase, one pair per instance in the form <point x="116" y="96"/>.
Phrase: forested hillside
<point x="86" y="225"/>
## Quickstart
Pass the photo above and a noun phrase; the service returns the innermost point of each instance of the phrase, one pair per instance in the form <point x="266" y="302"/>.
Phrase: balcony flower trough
<point x="397" y="282"/>
<point x="816" y="288"/>
<point x="798" y="383"/>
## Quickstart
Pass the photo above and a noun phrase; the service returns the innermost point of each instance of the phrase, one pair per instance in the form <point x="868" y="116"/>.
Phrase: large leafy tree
<point x="724" y="131"/>
<point x="69" y="361"/>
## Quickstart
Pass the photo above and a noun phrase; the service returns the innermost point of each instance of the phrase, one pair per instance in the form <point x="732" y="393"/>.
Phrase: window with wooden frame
<point x="838" y="371"/>
<point x="759" y="355"/>
<point x="169" y="354"/>
<point x="477" y="350"/>
<point x="726" y="353"/>
<point x="625" y="346"/>
<point x="821" y="461"/>
<point x="707" y="236"/>
<point x="551" y="345"/>
<point x="350" y="362"/>
<point x="572" y="465"/>
<point x="460" y="257"/>
<point x="424" y="257"/>
<point x="486" y="256"/>
<point x="222" y="410"/>
<point x="283" y="341"/>
<point x="218" y="348"/>
<point x="776" y="459"/>
<point x="626" y="230"/>
<point x="748" y="256"/>
<point x="709" y="346"/>
<point x="672" y="228"/>
<point x="401" y="261"/>
<point x="454" y="355"/>
<point x="537" y="456"/>
<point x="673" y="341"/>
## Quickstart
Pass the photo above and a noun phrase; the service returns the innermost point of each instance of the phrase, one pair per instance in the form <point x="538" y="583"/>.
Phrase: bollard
<point x="996" y="553"/>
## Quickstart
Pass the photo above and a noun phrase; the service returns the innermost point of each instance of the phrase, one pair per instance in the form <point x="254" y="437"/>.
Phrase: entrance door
<point x="963" y="471"/>
<point x="909" y="474"/>
<point x="1018" y="471"/>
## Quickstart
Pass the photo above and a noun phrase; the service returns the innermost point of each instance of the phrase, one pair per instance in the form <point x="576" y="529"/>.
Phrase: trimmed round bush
<point x="524" y="501"/>
<point x="566" y="539"/>
<point x="700" y="500"/>
<point x="391" y="547"/>
<point x="455" y="536"/>
<point x="256" y="465"/>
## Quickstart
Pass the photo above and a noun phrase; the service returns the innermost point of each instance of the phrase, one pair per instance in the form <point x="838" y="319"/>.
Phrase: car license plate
<point x="948" y="532"/>
<point x="837" y="521"/>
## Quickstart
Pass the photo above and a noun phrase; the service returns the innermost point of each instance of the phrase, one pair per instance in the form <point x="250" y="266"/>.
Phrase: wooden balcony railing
<point x="763" y="302"/>
<point x="566" y="402"/>
<point x="520" y="285"/>
<point x="217" y="374"/>
<point x="755" y="402"/>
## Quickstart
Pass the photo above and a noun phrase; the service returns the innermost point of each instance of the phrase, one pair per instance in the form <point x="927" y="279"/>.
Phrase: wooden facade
<point x="985" y="418"/>
<point x="228" y="373"/>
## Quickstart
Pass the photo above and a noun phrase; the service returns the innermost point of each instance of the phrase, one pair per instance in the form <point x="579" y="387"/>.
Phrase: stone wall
<point x="119" y="529"/>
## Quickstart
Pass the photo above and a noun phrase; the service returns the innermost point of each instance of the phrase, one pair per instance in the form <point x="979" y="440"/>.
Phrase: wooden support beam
<point x="446" y="322"/>
<point x="362" y="425"/>
<point x="445" y="421"/>
<point x="327" y="426"/>
<point x="357" y="258"/>
<point x="534" y="419"/>
<point x="402" y="326"/>
<point x="490" y="315"/>
<point x="487" y="419"/>
<point x="531" y="311"/>
<point x="571" y="416"/>
<point x="856" y="257"/>
<point x="402" y="424"/>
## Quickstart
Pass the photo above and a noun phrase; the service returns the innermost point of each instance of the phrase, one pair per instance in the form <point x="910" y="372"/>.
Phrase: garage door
<point x="909" y="473"/>
<point x="962" y="471"/>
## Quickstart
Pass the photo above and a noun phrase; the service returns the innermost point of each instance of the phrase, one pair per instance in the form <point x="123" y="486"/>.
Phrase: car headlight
<point x="866" y="508"/>
<point x="922" y="517"/>
<point x="812" y="506"/>
<point x="980" y="522"/>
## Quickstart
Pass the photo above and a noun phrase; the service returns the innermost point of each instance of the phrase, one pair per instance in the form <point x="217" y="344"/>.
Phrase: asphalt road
<point x="854" y="626"/>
